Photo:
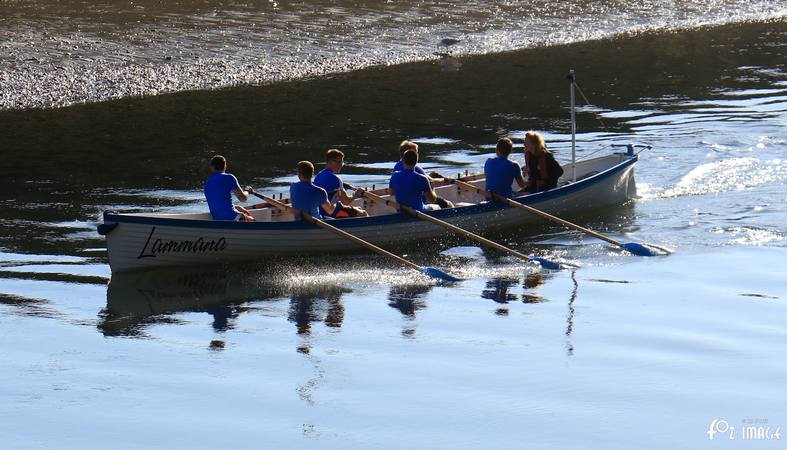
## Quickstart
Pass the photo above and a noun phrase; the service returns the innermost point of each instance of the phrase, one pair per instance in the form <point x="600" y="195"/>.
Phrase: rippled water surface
<point x="354" y="352"/>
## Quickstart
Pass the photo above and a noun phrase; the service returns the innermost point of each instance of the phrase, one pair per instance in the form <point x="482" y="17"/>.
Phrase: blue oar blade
<point x="547" y="264"/>
<point x="439" y="274"/>
<point x="638" y="249"/>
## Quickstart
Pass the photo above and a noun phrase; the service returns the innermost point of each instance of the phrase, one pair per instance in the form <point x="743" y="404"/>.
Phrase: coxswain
<point x="542" y="169"/>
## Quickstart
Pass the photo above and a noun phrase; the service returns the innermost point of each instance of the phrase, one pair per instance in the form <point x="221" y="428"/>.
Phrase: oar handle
<point x="445" y="224"/>
<point x="311" y="219"/>
<point x="535" y="211"/>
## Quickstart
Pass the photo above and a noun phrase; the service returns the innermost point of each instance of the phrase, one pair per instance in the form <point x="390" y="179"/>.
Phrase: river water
<point x="118" y="106"/>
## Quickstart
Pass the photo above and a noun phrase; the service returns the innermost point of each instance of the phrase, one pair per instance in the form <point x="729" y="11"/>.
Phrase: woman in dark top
<point x="541" y="167"/>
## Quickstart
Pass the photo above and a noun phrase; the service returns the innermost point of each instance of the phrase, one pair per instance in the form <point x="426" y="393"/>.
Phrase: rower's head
<point x="410" y="159"/>
<point x="218" y="163"/>
<point x="534" y="143"/>
<point x="334" y="160"/>
<point x="305" y="171"/>
<point x="504" y="147"/>
<point x="407" y="145"/>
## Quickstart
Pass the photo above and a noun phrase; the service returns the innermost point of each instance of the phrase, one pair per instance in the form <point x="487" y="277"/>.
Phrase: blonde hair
<point x="537" y="140"/>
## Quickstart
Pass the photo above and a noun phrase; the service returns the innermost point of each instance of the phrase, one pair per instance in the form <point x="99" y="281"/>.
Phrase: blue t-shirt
<point x="306" y="197"/>
<point x="218" y="193"/>
<point x="409" y="188"/>
<point x="331" y="182"/>
<point x="400" y="167"/>
<point x="500" y="174"/>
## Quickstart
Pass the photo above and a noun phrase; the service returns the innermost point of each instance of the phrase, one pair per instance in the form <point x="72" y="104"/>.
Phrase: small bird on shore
<point x="446" y="42"/>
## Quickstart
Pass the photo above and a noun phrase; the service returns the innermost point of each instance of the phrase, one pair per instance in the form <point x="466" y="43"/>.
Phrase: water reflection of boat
<point x="137" y="241"/>
<point x="137" y="299"/>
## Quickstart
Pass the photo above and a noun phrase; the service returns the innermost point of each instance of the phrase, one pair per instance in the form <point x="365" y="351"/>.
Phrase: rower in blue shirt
<point x="328" y="180"/>
<point x="433" y="177"/>
<point x="403" y="147"/>
<point x="305" y="196"/>
<point x="219" y="188"/>
<point x="411" y="188"/>
<point x="500" y="172"/>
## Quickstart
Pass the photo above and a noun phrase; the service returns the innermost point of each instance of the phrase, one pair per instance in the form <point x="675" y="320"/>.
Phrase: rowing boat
<point x="138" y="241"/>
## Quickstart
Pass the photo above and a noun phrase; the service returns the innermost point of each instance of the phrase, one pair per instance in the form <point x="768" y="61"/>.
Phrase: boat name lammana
<point x="199" y="245"/>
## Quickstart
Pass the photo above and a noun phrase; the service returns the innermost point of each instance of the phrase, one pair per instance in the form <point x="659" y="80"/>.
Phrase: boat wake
<point x="750" y="235"/>
<point x="735" y="174"/>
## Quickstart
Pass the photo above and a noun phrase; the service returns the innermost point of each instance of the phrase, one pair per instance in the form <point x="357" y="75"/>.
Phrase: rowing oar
<point x="545" y="263"/>
<point x="430" y="271"/>
<point x="632" y="247"/>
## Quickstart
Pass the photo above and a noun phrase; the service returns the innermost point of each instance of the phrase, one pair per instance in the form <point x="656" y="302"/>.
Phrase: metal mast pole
<point x="573" y="129"/>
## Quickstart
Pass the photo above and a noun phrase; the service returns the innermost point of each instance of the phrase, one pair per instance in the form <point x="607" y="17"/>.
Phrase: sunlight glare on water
<point x="59" y="53"/>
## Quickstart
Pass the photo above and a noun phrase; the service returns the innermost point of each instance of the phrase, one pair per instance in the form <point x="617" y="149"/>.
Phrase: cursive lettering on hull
<point x="166" y="246"/>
